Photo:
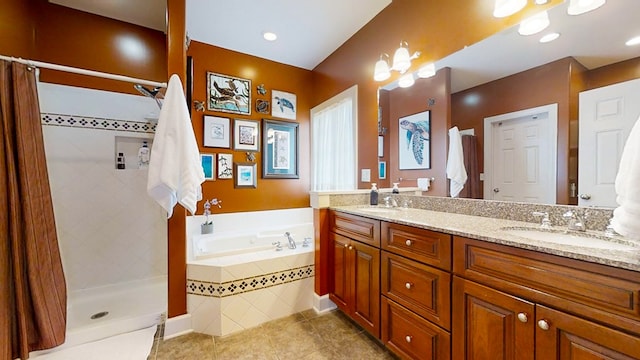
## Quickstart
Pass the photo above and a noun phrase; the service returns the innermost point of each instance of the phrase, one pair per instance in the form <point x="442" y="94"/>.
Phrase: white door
<point x="607" y="115"/>
<point x="520" y="156"/>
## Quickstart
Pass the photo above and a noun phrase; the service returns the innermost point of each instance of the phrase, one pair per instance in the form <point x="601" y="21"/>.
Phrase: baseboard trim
<point x="322" y="304"/>
<point x="177" y="326"/>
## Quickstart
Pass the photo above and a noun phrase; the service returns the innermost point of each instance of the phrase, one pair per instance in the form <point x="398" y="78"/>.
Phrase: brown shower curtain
<point x="33" y="296"/>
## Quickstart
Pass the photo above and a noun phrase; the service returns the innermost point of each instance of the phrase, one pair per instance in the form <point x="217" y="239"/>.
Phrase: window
<point x="333" y="142"/>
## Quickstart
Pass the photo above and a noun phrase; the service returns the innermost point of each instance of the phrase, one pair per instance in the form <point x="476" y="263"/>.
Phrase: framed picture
<point x="382" y="170"/>
<point x="380" y="146"/>
<point x="414" y="141"/>
<point x="208" y="166"/>
<point x="225" y="166"/>
<point x="246" y="134"/>
<point x="245" y="175"/>
<point x="283" y="105"/>
<point x="279" y="149"/>
<point x="217" y="132"/>
<point x="228" y="94"/>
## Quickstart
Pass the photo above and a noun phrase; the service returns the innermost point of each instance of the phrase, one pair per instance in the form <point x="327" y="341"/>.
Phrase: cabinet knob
<point x="408" y="285"/>
<point x="543" y="324"/>
<point x="408" y="242"/>
<point x="350" y="247"/>
<point x="408" y="338"/>
<point x="523" y="317"/>
<point x="346" y="245"/>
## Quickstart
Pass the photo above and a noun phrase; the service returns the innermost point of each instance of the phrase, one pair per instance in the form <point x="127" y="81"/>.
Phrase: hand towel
<point x="424" y="183"/>
<point x="455" y="163"/>
<point x="625" y="217"/>
<point x="175" y="170"/>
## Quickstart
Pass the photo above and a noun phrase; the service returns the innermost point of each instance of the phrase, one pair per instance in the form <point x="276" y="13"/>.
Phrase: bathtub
<point x="130" y="306"/>
<point x="238" y="280"/>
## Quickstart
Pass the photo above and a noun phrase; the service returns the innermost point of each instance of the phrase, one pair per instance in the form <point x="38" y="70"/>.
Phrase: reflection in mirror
<point x="509" y="72"/>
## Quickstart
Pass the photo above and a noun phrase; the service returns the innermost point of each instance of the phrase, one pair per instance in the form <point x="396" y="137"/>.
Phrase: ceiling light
<point x="269" y="36"/>
<point x="427" y="71"/>
<point x="534" y="24"/>
<point x="577" y="7"/>
<point x="504" y="8"/>
<point x="549" y="37"/>
<point x="634" y="41"/>
<point x="541" y="2"/>
<point x="401" y="62"/>
<point x="382" y="71"/>
<point x="406" y="80"/>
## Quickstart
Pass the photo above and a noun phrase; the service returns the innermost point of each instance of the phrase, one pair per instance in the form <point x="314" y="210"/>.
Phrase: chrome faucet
<point x="390" y="201"/>
<point x="545" y="223"/>
<point x="574" y="221"/>
<point x="292" y="243"/>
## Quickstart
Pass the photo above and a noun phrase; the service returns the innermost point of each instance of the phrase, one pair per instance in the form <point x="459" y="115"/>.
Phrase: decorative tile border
<point x="229" y="288"/>
<point x="87" y="122"/>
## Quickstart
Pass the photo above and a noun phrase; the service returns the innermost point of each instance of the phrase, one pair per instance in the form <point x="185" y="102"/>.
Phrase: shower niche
<point x="132" y="153"/>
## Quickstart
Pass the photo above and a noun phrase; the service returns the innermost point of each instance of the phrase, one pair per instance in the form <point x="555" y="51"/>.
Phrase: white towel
<point x="455" y="163"/>
<point x="424" y="183"/>
<point x="626" y="217"/>
<point x="175" y="170"/>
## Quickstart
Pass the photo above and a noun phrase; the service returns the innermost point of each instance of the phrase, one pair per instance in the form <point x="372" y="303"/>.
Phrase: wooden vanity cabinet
<point x="512" y="303"/>
<point x="355" y="285"/>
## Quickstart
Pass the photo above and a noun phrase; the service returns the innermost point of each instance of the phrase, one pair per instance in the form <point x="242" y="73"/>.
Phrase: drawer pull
<point x="408" y="285"/>
<point x="350" y="247"/>
<point x="408" y="242"/>
<point x="523" y="317"/>
<point x="408" y="338"/>
<point x="346" y="245"/>
<point x="543" y="324"/>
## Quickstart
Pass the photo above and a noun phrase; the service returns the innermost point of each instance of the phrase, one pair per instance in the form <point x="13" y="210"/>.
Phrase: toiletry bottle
<point x="373" y="200"/>
<point x="395" y="189"/>
<point x="120" y="161"/>
<point x="143" y="156"/>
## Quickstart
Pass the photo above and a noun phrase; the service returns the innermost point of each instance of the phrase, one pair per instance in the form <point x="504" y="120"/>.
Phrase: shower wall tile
<point x="109" y="230"/>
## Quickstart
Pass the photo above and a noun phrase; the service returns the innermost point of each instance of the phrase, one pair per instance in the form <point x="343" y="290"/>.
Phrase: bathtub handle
<point x="278" y="245"/>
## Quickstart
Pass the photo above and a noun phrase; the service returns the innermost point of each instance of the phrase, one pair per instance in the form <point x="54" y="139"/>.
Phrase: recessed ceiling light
<point x="634" y="41"/>
<point x="549" y="37"/>
<point x="269" y="36"/>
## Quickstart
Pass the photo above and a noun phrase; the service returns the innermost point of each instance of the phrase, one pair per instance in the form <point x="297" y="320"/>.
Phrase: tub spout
<point x="292" y="243"/>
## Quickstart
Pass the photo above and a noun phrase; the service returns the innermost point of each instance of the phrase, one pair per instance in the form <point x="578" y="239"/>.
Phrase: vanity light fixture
<point x="269" y="36"/>
<point x="549" y="37"/>
<point x="406" y="80"/>
<point x="634" y="41"/>
<point x="401" y="62"/>
<point x="427" y="71"/>
<point x="541" y="2"/>
<point x="534" y="24"/>
<point x="504" y="8"/>
<point x="577" y="7"/>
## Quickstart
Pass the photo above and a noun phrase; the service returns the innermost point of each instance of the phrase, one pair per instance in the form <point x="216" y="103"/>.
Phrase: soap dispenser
<point x="395" y="189"/>
<point x="373" y="200"/>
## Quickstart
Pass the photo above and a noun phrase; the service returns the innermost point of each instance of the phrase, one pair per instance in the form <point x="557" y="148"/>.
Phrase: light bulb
<point x="406" y="80"/>
<point x="577" y="7"/>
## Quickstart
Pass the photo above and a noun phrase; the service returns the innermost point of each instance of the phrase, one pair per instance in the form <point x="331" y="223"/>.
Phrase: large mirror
<point x="589" y="53"/>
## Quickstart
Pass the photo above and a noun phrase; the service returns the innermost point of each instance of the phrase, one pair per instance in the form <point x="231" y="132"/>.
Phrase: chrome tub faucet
<point x="292" y="243"/>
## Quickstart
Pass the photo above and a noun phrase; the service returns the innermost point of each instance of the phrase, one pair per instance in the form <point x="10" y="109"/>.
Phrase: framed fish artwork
<point x="228" y="94"/>
<point x="414" y="141"/>
<point x="283" y="105"/>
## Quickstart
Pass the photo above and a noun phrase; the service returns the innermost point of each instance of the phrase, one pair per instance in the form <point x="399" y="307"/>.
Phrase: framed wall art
<point x="279" y="149"/>
<point x="208" y="166"/>
<point x="225" y="166"/>
<point x="246" y="135"/>
<point x="228" y="94"/>
<point x="217" y="132"/>
<point x="382" y="170"/>
<point x="414" y="141"/>
<point x="283" y="105"/>
<point x="245" y="175"/>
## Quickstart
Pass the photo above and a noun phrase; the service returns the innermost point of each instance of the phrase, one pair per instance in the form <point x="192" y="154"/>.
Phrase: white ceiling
<point x="309" y="31"/>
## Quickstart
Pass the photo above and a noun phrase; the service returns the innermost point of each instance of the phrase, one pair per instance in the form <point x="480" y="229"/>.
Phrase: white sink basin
<point x="572" y="239"/>
<point x="378" y="210"/>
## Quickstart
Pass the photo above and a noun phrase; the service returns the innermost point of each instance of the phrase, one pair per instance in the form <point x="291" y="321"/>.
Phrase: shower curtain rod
<point x="84" y="71"/>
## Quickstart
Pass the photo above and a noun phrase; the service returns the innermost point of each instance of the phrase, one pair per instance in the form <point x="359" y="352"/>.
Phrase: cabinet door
<point x="562" y="336"/>
<point x="490" y="325"/>
<point x="340" y="287"/>
<point x="366" y="295"/>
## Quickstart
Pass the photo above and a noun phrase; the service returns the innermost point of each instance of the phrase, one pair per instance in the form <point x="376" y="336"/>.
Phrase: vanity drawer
<point x="603" y="293"/>
<point x="420" y="288"/>
<point x="355" y="227"/>
<point x="423" y="245"/>
<point x="411" y="336"/>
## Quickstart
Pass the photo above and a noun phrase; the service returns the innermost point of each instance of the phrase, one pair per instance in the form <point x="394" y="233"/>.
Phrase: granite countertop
<point x="491" y="230"/>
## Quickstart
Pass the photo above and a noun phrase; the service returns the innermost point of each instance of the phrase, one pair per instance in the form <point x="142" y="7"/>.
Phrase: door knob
<point x="585" y="196"/>
<point x="496" y="190"/>
<point x="523" y="317"/>
<point x="543" y="324"/>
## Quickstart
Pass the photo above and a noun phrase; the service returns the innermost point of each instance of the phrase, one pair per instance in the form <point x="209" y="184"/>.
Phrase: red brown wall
<point x="270" y="193"/>
<point x="614" y="73"/>
<point x="17" y="29"/>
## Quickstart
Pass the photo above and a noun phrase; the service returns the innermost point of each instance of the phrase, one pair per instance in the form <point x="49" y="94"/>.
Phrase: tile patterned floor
<point x="303" y="336"/>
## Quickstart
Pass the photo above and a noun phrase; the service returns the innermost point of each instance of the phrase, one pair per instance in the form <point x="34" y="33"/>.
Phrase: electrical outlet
<point x="365" y="175"/>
